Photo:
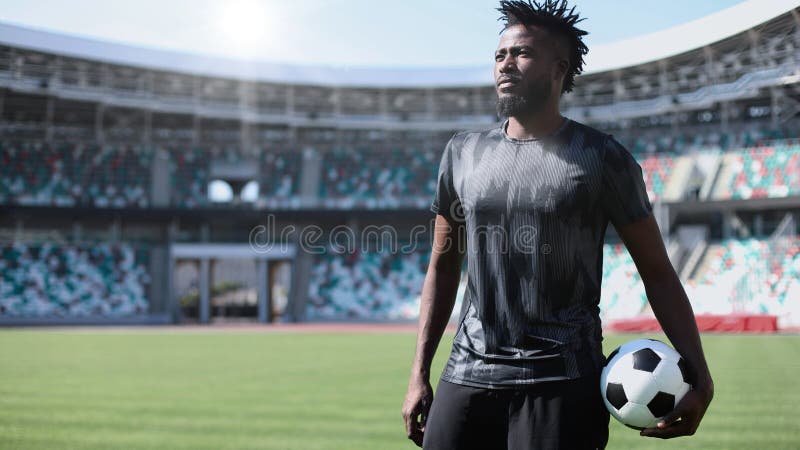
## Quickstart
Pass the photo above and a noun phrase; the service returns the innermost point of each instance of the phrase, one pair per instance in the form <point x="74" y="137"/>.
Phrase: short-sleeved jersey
<point x="535" y="213"/>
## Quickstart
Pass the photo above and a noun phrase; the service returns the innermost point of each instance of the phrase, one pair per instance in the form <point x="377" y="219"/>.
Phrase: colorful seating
<point x="764" y="172"/>
<point x="656" y="170"/>
<point x="622" y="292"/>
<point x="367" y="284"/>
<point x="73" y="280"/>
<point x="371" y="178"/>
<point x="120" y="176"/>
<point x="754" y="276"/>
<point x="278" y="182"/>
<point x="74" y="174"/>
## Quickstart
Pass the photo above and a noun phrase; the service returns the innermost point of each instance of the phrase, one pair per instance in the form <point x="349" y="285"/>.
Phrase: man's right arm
<point x="436" y="305"/>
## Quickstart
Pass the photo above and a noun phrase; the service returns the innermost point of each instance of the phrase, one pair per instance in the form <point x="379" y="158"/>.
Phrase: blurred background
<point x="254" y="162"/>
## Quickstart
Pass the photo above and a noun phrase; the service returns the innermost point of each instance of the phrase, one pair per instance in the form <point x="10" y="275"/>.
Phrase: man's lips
<point x="507" y="82"/>
<point x="507" y="85"/>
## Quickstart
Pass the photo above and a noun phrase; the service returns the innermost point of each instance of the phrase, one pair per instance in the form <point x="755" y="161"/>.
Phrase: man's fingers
<point x="414" y="429"/>
<point x="415" y="414"/>
<point x="670" y="418"/>
<point x="679" y="428"/>
<point x="408" y="418"/>
<point x="682" y="421"/>
<point x="416" y="437"/>
<point x="425" y="407"/>
<point x="411" y="422"/>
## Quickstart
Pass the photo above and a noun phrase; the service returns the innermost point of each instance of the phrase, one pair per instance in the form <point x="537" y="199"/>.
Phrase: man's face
<point x="525" y="70"/>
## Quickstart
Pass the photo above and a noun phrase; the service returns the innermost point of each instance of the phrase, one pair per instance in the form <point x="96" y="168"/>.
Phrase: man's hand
<point x="416" y="406"/>
<point x="685" y="418"/>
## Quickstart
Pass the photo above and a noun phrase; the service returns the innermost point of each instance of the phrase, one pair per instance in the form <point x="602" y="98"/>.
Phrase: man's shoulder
<point x="472" y="136"/>
<point x="591" y="134"/>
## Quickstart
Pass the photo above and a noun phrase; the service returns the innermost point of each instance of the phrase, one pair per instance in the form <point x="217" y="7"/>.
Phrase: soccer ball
<point x="642" y="381"/>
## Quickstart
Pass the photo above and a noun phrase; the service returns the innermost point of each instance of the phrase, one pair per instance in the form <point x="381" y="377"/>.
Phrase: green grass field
<point x="111" y="389"/>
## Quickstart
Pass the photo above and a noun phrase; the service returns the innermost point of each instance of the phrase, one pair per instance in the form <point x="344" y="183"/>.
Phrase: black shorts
<point x="552" y="415"/>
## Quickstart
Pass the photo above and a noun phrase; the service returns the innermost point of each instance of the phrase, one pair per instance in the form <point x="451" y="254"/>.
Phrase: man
<point x="528" y="203"/>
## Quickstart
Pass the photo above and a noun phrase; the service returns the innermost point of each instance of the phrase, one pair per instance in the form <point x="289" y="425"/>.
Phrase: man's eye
<point x="498" y="57"/>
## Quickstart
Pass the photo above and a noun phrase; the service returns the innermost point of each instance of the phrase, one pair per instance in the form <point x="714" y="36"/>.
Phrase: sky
<point x="368" y="33"/>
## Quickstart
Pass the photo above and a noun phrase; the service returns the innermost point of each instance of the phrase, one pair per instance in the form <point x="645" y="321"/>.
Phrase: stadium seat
<point x="367" y="284"/>
<point x="75" y="174"/>
<point x="370" y="178"/>
<point x="66" y="280"/>
<point x="753" y="275"/>
<point x="622" y="293"/>
<point x="762" y="172"/>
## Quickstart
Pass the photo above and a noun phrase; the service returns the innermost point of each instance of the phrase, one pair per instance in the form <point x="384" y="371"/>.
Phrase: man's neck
<point x="535" y="125"/>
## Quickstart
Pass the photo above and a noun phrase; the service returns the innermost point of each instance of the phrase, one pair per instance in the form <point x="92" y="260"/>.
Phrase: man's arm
<point x="436" y="305"/>
<point x="674" y="313"/>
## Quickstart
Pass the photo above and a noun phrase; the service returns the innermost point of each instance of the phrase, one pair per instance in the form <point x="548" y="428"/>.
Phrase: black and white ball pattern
<point x="642" y="381"/>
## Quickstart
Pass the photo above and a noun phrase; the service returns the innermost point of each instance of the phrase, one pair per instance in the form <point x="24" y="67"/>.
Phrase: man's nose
<point x="507" y="64"/>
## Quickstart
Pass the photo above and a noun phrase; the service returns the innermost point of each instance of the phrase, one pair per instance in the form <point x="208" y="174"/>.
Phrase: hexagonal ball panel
<point x="646" y="360"/>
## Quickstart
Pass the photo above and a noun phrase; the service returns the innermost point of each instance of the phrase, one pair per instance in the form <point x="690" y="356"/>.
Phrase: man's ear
<point x="562" y="67"/>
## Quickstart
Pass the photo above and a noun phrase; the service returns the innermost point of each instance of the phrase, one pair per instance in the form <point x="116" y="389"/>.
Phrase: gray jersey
<point x="536" y="212"/>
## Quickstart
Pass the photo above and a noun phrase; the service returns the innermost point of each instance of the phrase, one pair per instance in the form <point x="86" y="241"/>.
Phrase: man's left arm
<point x="674" y="313"/>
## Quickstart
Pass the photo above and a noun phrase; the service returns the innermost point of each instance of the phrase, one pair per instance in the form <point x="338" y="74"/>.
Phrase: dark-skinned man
<point x="528" y="203"/>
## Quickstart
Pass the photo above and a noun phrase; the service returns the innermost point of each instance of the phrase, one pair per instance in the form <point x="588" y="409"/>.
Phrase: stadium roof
<point x="687" y="36"/>
<point x="603" y="57"/>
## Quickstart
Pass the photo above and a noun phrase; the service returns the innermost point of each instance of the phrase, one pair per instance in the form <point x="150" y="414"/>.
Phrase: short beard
<point x="513" y="106"/>
<point x="523" y="105"/>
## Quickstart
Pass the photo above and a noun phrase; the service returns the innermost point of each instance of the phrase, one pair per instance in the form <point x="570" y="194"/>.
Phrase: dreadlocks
<point x="558" y="19"/>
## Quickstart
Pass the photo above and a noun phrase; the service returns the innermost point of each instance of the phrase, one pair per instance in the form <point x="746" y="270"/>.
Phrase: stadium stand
<point x="711" y="116"/>
<point x="760" y="172"/>
<point x="752" y="275"/>
<point x="189" y="177"/>
<point x="657" y="170"/>
<point x="367" y="284"/>
<point x="36" y="173"/>
<point x="76" y="280"/>
<point x="280" y="175"/>
<point x="76" y="174"/>
<point x="378" y="178"/>
<point x="622" y="294"/>
<point x="689" y="138"/>
<point x="370" y="285"/>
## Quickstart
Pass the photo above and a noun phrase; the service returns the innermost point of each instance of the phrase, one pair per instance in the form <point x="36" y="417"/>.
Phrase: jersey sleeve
<point x="445" y="201"/>
<point x="624" y="194"/>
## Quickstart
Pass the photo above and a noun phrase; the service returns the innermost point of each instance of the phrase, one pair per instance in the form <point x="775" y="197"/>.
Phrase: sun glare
<point x="245" y="24"/>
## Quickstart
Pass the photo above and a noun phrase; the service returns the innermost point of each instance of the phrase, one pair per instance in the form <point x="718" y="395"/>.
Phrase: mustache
<point x="504" y="78"/>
